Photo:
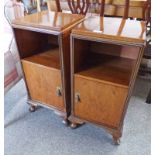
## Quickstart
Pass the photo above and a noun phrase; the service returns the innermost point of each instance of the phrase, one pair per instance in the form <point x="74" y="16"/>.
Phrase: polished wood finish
<point x="100" y="102"/>
<point x="105" y="57"/>
<point x="48" y="20"/>
<point x="43" y="83"/>
<point x="44" y="47"/>
<point x="116" y="29"/>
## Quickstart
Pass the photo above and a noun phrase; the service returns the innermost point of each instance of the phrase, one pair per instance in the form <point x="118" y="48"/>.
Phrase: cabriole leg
<point x="73" y="125"/>
<point x="32" y="108"/>
<point x="116" y="140"/>
<point x="65" y="121"/>
<point x="116" y="137"/>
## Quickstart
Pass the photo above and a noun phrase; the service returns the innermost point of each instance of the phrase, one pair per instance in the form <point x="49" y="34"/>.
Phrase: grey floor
<point x="42" y="133"/>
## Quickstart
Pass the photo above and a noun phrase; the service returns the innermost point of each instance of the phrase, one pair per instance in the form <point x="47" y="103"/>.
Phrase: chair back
<point x="82" y="6"/>
<point x="79" y="6"/>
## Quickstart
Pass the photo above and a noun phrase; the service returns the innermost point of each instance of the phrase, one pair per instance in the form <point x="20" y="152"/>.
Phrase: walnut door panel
<point x="98" y="102"/>
<point x="44" y="84"/>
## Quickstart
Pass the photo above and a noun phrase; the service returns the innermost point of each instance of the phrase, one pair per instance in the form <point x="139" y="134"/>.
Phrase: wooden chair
<point x="79" y="6"/>
<point x="82" y="6"/>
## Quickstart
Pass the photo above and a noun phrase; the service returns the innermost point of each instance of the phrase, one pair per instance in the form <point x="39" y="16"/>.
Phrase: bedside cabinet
<point x="43" y="41"/>
<point x="105" y="57"/>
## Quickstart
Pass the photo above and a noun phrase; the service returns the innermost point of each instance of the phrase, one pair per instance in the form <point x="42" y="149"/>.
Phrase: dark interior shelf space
<point x="49" y="58"/>
<point x="107" y="68"/>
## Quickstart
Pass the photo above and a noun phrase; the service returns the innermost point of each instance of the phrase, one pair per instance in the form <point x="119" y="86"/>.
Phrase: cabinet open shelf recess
<point x="107" y="68"/>
<point x="49" y="58"/>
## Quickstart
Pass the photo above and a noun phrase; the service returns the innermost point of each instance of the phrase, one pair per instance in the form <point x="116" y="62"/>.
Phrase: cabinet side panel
<point x="64" y="42"/>
<point x="81" y="49"/>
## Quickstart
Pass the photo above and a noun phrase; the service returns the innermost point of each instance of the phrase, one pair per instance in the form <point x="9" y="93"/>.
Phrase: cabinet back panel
<point x="53" y="39"/>
<point x="115" y="50"/>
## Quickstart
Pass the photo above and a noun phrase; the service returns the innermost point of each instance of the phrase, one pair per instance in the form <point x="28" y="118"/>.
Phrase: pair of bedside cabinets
<point x="84" y="68"/>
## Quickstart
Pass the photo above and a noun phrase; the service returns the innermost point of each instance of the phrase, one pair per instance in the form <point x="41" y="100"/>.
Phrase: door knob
<point x="58" y="91"/>
<point x="77" y="98"/>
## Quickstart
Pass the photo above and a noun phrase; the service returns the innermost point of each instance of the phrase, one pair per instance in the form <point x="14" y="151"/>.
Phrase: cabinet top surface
<point x="114" y="29"/>
<point x="56" y="21"/>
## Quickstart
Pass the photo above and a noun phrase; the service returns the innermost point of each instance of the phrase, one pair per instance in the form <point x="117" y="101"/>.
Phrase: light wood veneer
<point x="105" y="57"/>
<point x="44" y="49"/>
<point x="116" y="29"/>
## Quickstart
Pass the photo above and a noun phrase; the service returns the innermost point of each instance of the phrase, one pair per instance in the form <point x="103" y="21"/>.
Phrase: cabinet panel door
<point x="43" y="84"/>
<point x="98" y="102"/>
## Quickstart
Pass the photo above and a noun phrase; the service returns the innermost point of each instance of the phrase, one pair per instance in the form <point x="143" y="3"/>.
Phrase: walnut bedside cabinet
<point x="105" y="56"/>
<point x="43" y="41"/>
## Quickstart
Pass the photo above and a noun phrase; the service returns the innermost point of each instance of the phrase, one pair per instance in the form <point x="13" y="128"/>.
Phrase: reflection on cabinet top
<point x="113" y="29"/>
<point x="48" y="20"/>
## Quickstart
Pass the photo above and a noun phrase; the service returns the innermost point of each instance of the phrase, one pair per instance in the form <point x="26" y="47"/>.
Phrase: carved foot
<point x="32" y="108"/>
<point x="65" y="122"/>
<point x="73" y="125"/>
<point x="116" y="136"/>
<point x="116" y="141"/>
<point x="75" y="122"/>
